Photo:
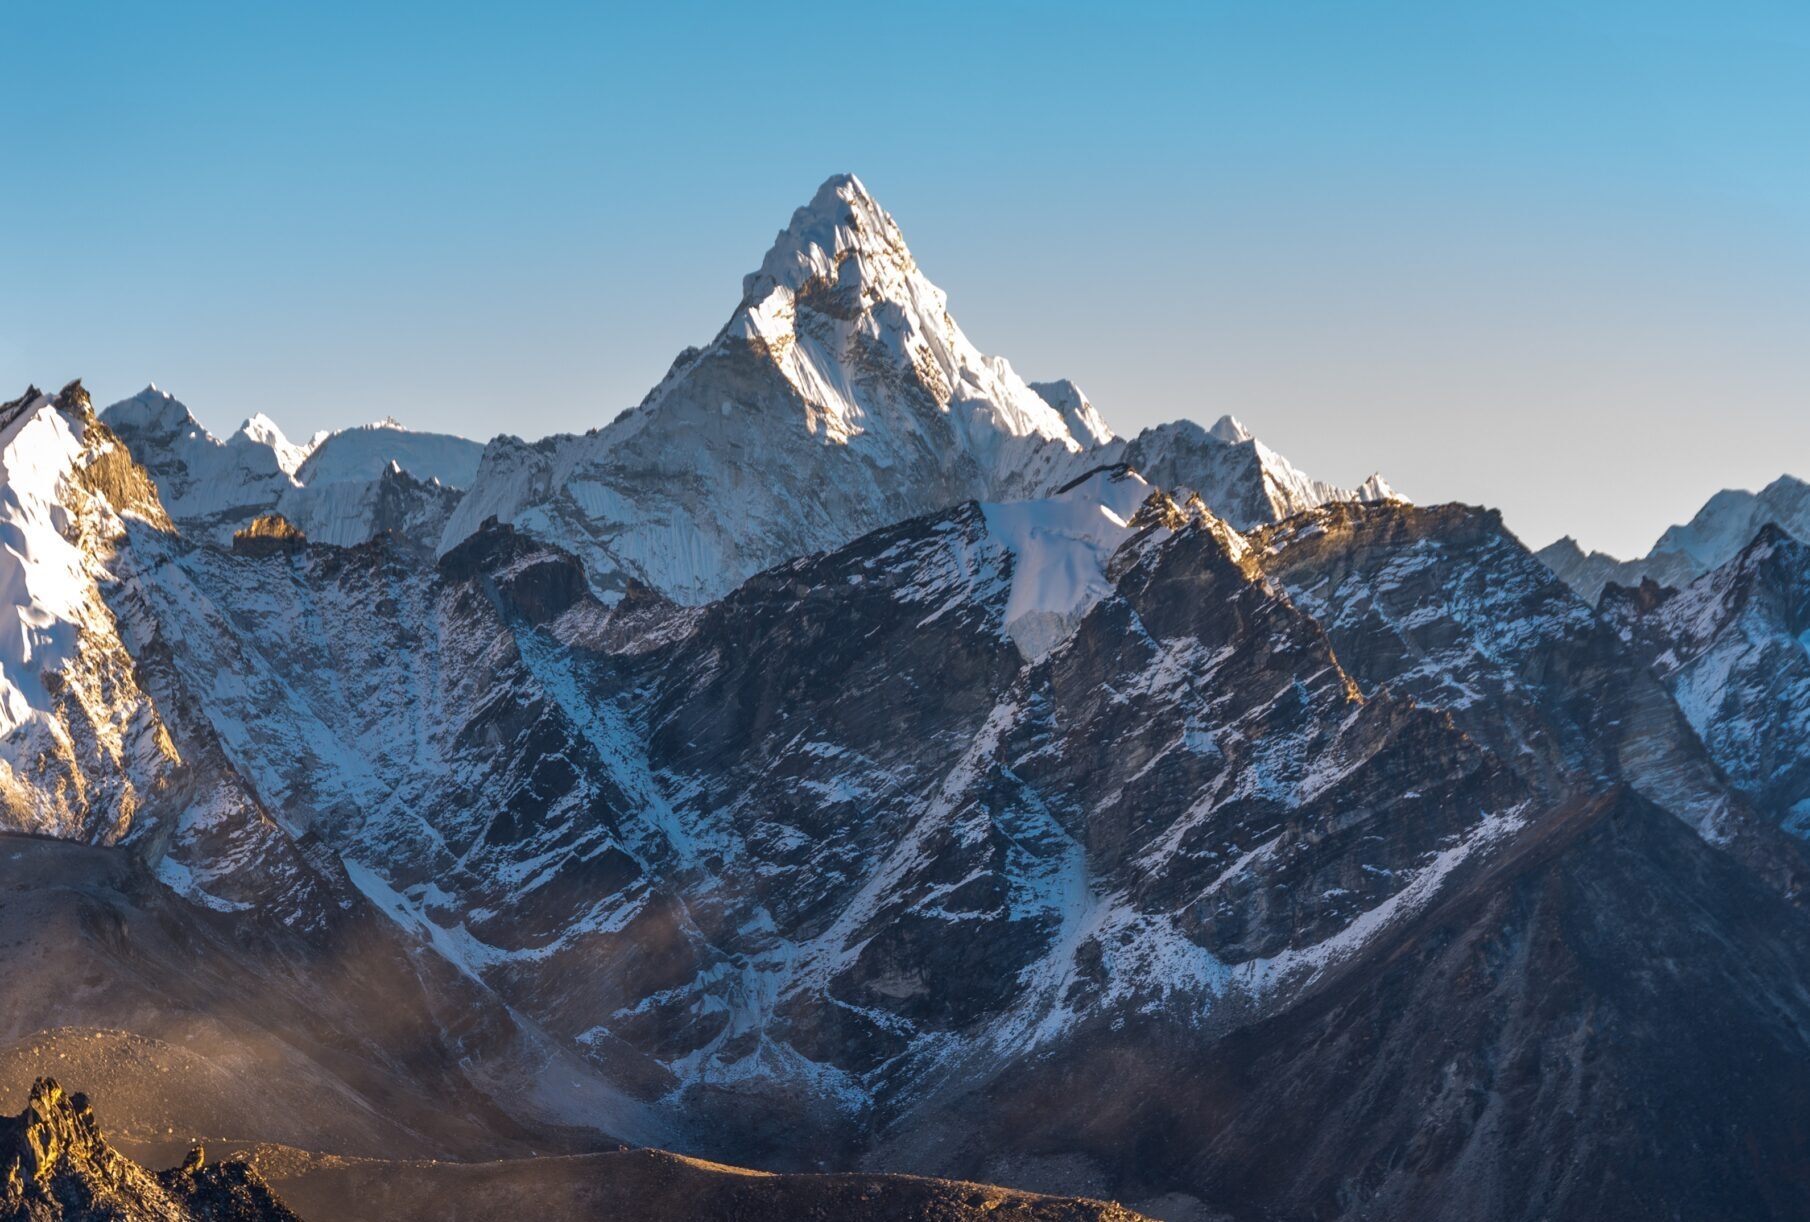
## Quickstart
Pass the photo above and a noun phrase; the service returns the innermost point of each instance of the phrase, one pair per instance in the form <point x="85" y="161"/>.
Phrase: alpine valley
<point x="861" y="764"/>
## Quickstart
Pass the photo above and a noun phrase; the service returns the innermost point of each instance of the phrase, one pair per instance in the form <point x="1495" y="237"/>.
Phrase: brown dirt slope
<point x="645" y="1184"/>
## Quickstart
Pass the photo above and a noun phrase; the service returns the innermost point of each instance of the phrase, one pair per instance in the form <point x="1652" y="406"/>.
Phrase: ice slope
<point x="1061" y="548"/>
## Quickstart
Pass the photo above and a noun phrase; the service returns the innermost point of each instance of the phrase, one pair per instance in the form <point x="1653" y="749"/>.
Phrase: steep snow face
<point x="339" y="488"/>
<point x="845" y="252"/>
<point x="1060" y="547"/>
<point x="363" y="454"/>
<point x="351" y="511"/>
<point x="81" y="747"/>
<point x="262" y="430"/>
<point x="840" y="397"/>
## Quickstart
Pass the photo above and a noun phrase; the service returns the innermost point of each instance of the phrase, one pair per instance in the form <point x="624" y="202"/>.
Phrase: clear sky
<point x="1549" y="257"/>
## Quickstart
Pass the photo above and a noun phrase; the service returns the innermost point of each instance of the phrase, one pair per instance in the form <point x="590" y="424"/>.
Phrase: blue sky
<point x="1549" y="257"/>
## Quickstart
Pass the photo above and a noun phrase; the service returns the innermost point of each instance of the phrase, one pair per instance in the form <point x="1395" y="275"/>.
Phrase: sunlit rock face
<point x="55" y="1166"/>
<point x="82" y="748"/>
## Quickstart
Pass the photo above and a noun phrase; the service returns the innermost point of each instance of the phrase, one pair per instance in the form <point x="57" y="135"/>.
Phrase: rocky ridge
<point x="54" y="1164"/>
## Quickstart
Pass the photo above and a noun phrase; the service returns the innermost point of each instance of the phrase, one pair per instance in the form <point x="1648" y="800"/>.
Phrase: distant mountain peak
<point x="842" y="222"/>
<point x="151" y="411"/>
<point x="1078" y="412"/>
<point x="1231" y="430"/>
<point x="261" y="430"/>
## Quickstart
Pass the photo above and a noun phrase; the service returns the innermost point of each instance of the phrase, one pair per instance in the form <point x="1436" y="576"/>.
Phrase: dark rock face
<point x="1548" y="1042"/>
<point x="822" y="837"/>
<point x="1731" y="648"/>
<point x="1443" y="605"/>
<point x="830" y="858"/>
<point x="224" y="1192"/>
<point x="54" y="1164"/>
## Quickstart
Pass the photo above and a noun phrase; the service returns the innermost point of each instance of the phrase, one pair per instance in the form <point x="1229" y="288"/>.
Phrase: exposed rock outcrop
<point x="55" y="1166"/>
<point x="269" y="534"/>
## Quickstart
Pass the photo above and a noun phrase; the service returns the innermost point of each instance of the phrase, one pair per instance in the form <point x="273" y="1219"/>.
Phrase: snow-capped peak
<point x="839" y="295"/>
<point x="842" y="225"/>
<point x="1231" y="430"/>
<point x="329" y="486"/>
<point x="261" y="430"/>
<point x="151" y="411"/>
<point x="1078" y="412"/>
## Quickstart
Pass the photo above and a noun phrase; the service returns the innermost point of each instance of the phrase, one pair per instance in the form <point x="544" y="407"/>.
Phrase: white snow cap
<point x="261" y="430"/>
<point x="1231" y="430"/>
<point x="842" y="226"/>
<point x="1078" y="412"/>
<point x="152" y="410"/>
<point x="844" y="244"/>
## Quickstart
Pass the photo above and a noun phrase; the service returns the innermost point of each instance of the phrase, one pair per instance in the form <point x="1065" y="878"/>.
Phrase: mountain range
<point x="857" y="759"/>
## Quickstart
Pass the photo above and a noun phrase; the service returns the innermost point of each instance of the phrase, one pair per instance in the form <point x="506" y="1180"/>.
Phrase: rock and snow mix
<point x="340" y="487"/>
<point x="80" y="745"/>
<point x="852" y="715"/>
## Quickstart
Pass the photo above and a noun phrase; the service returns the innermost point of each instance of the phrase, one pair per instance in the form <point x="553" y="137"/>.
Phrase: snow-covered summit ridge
<point x="839" y="398"/>
<point x="333" y="486"/>
<point x="844" y="259"/>
<point x="1230" y="429"/>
